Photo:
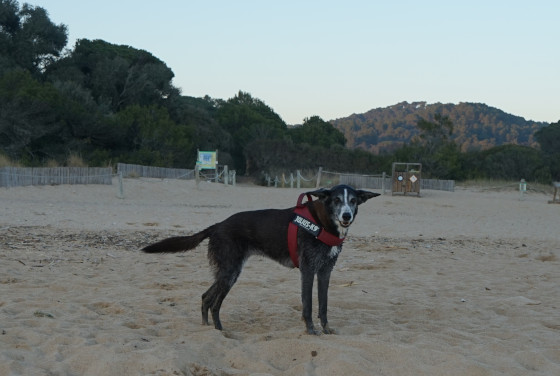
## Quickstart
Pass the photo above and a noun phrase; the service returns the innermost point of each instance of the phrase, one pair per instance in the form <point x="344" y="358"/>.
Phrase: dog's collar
<point x="303" y="219"/>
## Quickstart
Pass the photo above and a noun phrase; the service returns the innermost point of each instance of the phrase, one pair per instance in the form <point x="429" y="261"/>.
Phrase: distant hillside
<point x="476" y="126"/>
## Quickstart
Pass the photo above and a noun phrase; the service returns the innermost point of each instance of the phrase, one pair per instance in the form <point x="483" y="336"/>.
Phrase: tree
<point x="440" y="156"/>
<point x="248" y="119"/>
<point x="117" y="76"/>
<point x="284" y="154"/>
<point x="316" y="131"/>
<point x="549" y="141"/>
<point x="147" y="135"/>
<point x="200" y="114"/>
<point x="30" y="121"/>
<point x="28" y="38"/>
<point x="511" y="162"/>
<point x="549" y="138"/>
<point x="436" y="133"/>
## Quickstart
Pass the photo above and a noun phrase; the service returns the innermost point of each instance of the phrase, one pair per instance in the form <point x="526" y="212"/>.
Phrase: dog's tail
<point x="178" y="243"/>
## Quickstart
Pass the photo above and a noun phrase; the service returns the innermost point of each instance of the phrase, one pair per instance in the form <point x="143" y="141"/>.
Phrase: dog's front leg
<point x="307" y="276"/>
<point x="323" y="278"/>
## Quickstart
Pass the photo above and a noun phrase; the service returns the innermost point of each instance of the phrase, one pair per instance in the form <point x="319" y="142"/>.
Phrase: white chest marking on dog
<point x="335" y="251"/>
<point x="342" y="231"/>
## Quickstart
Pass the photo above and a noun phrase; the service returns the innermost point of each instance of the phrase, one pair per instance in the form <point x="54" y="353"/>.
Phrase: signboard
<point x="206" y="160"/>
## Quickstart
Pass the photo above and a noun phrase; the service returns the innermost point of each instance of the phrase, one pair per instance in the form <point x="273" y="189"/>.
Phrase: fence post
<point x="226" y="175"/>
<point x="121" y="189"/>
<point x="291" y="179"/>
<point x="522" y="188"/>
<point x="383" y="182"/>
<point x="298" y="179"/>
<point x="319" y="177"/>
<point x="196" y="175"/>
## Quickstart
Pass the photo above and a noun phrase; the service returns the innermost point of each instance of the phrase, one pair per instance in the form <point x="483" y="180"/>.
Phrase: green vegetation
<point x="549" y="140"/>
<point x="476" y="126"/>
<point x="109" y="103"/>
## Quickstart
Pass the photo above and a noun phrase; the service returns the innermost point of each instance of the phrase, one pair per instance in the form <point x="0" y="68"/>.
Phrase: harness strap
<point x="305" y="220"/>
<point x="292" y="244"/>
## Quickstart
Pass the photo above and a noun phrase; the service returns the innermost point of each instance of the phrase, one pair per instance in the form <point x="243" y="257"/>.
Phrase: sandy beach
<point x="451" y="283"/>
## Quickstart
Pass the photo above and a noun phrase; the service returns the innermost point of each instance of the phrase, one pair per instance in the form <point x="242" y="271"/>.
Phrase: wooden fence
<point x="384" y="182"/>
<point x="132" y="170"/>
<point x="379" y="182"/>
<point x="328" y="178"/>
<point x="438" y="185"/>
<point x="366" y="181"/>
<point x="21" y="176"/>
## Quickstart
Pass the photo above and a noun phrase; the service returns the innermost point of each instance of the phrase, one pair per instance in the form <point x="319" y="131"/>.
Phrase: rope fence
<point x="25" y="176"/>
<point x="284" y="180"/>
<point x="221" y="174"/>
<point x="324" y="178"/>
<point x="136" y="171"/>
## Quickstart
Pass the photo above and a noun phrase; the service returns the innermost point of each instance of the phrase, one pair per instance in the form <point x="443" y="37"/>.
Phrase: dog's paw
<point x="312" y="331"/>
<point x="328" y="330"/>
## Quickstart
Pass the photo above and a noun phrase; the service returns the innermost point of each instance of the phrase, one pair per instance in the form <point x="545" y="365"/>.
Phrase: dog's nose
<point x="346" y="216"/>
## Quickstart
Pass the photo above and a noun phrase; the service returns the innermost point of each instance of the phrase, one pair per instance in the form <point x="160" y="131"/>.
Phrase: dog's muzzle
<point x="346" y="219"/>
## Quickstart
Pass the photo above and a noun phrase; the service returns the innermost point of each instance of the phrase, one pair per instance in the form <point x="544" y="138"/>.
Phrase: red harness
<point x="305" y="220"/>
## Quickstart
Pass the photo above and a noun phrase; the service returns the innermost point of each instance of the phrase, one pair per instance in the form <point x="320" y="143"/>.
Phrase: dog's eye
<point x="353" y="201"/>
<point x="337" y="200"/>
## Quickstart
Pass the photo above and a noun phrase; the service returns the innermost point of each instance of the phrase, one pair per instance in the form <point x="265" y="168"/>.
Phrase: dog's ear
<point x="321" y="193"/>
<point x="363" y="196"/>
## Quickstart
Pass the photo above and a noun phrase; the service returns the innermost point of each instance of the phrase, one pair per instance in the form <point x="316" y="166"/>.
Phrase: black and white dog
<point x="323" y="224"/>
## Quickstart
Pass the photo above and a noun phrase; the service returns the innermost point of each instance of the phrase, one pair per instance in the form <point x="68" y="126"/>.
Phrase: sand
<point x="461" y="283"/>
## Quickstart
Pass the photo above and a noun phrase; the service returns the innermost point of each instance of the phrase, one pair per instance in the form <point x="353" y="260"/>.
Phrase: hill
<point x="477" y="126"/>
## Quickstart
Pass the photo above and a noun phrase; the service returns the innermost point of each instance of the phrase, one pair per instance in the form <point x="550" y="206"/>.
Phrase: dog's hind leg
<point x="227" y="270"/>
<point x="207" y="300"/>
<point x="212" y="299"/>
<point x="221" y="292"/>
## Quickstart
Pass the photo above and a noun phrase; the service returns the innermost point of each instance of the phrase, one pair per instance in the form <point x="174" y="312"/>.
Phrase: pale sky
<point x="336" y="58"/>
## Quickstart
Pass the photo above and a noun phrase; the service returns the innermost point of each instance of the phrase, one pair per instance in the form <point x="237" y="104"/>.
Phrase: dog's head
<point x="341" y="203"/>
